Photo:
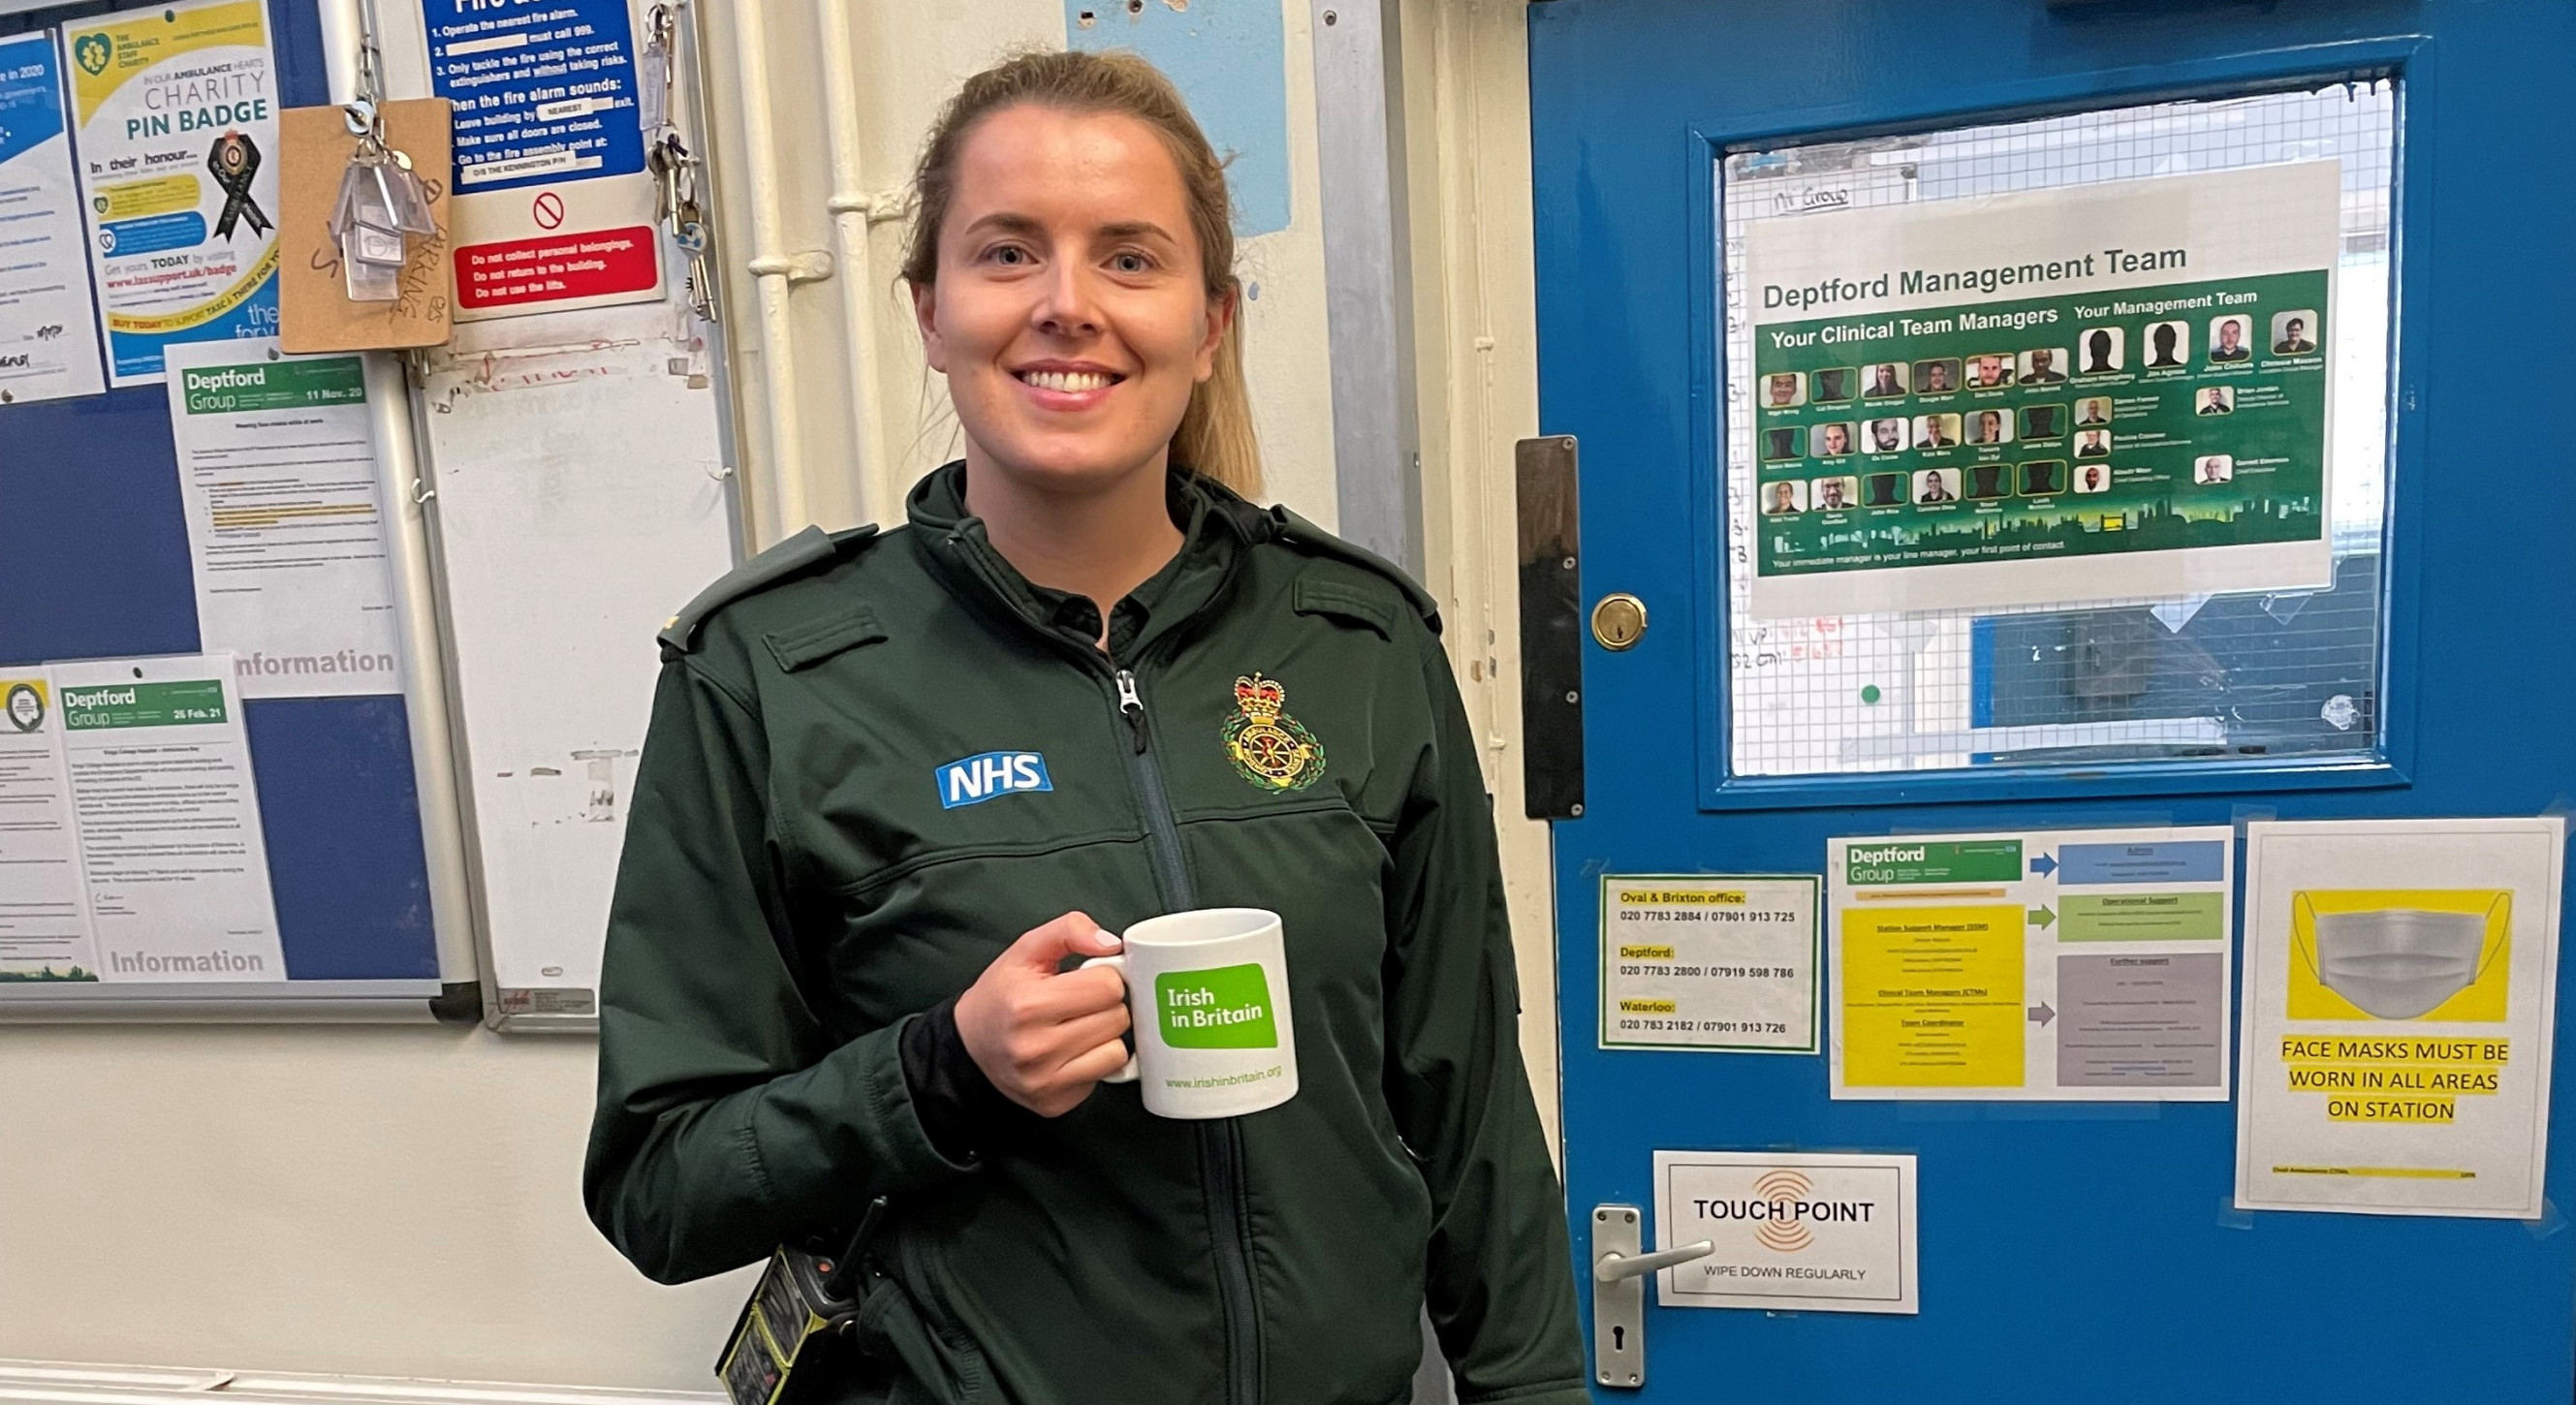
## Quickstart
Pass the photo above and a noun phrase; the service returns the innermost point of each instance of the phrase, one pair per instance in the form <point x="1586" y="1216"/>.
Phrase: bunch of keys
<point x="683" y="216"/>
<point x="382" y="205"/>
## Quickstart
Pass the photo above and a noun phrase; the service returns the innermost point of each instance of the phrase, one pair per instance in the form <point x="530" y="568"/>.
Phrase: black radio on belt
<point x="800" y="1313"/>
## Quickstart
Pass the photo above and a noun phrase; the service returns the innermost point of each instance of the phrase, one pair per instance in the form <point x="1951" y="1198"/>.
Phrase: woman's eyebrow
<point x="1133" y="229"/>
<point x="1005" y="222"/>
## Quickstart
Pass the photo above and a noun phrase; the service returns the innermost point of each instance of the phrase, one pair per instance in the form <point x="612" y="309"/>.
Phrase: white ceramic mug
<point x="1207" y="994"/>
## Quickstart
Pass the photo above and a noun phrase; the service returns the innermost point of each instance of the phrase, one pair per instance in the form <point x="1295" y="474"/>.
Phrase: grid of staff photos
<point x="2009" y="423"/>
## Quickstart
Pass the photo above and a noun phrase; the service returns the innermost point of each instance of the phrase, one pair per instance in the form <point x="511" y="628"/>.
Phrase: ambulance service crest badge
<point x="1270" y="748"/>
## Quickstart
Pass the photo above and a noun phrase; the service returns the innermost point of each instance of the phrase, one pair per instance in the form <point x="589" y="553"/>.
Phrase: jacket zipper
<point x="1220" y="1140"/>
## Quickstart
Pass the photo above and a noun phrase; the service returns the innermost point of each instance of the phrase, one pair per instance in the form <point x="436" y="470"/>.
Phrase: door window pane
<point x="2220" y="677"/>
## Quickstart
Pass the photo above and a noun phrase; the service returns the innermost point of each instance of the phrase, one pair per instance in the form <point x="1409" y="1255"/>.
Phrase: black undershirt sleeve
<point x="966" y="1116"/>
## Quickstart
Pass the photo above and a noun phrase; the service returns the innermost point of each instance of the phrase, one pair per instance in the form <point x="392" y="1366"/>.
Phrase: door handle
<point x="1610" y="1268"/>
<point x="1619" y="1270"/>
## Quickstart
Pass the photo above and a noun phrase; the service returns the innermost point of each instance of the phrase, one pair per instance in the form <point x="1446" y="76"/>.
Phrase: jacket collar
<point x="1216" y="525"/>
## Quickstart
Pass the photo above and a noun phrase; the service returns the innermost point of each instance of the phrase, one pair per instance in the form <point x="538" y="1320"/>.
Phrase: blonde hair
<point x="1215" y="437"/>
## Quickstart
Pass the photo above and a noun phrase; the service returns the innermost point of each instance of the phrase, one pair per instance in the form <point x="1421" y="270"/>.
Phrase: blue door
<point x="2068" y="1250"/>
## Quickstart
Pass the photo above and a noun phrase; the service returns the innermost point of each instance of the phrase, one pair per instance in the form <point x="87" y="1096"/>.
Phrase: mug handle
<point x="1128" y="1073"/>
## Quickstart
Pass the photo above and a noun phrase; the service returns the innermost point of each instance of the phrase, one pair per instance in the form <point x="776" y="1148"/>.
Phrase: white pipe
<point x="850" y="205"/>
<point x="407" y="546"/>
<point x="774" y="269"/>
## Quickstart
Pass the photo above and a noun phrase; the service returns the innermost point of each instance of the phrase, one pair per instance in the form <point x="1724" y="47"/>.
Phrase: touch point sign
<point x="1812" y="1232"/>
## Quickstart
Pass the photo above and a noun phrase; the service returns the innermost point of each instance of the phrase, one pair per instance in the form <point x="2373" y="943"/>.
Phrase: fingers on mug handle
<point x="1127" y="1073"/>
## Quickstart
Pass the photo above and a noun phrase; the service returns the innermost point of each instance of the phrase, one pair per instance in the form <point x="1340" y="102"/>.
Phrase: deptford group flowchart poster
<point x="2113" y="390"/>
<point x="2059" y="965"/>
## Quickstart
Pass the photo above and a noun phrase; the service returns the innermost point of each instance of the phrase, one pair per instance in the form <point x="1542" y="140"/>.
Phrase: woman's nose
<point x="1067" y="308"/>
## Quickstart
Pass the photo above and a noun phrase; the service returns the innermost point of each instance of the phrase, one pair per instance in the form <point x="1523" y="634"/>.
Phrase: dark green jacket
<point x="799" y="882"/>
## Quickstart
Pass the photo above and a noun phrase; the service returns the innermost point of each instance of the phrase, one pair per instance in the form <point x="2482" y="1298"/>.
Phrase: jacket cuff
<point x="809" y="1131"/>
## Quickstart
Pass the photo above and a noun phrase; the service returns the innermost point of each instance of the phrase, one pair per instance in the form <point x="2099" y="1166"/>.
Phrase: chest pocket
<point x="809" y="644"/>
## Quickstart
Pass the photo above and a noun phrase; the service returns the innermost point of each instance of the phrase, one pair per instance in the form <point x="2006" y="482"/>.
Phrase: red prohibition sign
<point x="549" y="210"/>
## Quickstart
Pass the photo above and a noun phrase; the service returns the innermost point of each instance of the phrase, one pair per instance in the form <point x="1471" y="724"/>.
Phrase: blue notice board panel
<point x="94" y="563"/>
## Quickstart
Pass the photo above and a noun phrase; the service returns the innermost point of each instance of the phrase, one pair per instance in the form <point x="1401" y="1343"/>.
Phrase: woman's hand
<point x="1041" y="1036"/>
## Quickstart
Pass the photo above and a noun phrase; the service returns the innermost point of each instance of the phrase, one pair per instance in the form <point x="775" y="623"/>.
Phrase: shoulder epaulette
<point x="801" y="552"/>
<point x="1305" y="535"/>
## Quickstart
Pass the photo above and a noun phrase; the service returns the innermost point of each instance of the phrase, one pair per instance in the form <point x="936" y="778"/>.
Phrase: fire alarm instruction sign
<point x="1715" y="962"/>
<point x="554" y="208"/>
<point x="543" y="89"/>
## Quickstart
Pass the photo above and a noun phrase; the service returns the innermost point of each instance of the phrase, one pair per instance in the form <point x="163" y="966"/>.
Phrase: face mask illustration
<point x="2398" y="963"/>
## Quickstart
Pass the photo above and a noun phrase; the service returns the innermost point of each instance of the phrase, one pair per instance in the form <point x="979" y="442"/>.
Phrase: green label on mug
<point x="1227" y="1008"/>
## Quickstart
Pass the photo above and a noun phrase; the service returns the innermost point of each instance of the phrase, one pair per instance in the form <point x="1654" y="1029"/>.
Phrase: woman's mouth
<point x="1069" y="382"/>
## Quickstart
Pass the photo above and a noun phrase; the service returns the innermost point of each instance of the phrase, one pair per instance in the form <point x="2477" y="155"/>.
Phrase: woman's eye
<point x="1131" y="263"/>
<point x="1009" y="255"/>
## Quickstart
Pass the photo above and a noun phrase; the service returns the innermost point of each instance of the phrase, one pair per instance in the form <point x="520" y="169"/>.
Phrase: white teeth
<point x="1074" y="381"/>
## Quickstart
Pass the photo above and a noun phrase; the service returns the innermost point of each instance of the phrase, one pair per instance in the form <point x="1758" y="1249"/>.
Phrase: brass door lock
<point x="1618" y="622"/>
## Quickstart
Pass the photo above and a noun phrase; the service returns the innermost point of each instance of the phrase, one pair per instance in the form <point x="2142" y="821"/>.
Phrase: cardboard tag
<point x="315" y="313"/>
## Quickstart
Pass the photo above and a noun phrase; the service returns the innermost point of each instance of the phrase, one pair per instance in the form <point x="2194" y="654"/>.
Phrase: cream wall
<point x="1466" y="84"/>
<point x="406" y="1202"/>
<point x="378" y="1201"/>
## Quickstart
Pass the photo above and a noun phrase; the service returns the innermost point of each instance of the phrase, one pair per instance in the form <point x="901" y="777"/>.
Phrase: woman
<point x="833" y="975"/>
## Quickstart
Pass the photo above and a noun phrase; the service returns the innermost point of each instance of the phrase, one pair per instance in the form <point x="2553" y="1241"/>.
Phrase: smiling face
<point x="1070" y="312"/>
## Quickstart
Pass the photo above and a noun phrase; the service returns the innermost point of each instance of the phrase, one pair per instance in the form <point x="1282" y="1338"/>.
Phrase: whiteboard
<point x="581" y="496"/>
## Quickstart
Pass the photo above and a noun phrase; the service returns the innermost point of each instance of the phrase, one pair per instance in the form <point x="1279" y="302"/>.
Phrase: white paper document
<point x="44" y="908"/>
<point x="2400" y="998"/>
<point x="48" y="324"/>
<point x="1788" y="1231"/>
<point x="169" y="821"/>
<point x="286" y="520"/>
<point x="1709" y="961"/>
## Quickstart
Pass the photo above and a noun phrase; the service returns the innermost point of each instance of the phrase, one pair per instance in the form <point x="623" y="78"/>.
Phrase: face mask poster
<point x="175" y="111"/>
<point x="2115" y="390"/>
<point x="2399" y="992"/>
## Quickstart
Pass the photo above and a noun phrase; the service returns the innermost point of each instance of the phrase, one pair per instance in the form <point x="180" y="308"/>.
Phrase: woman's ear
<point x="925" y="311"/>
<point x="1220" y="317"/>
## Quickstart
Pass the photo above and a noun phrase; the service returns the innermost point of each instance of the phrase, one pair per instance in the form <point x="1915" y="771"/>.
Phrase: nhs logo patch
<point x="979" y="778"/>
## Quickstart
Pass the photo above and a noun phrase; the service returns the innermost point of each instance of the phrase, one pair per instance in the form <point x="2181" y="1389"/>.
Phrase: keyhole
<point x="1618" y="1339"/>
